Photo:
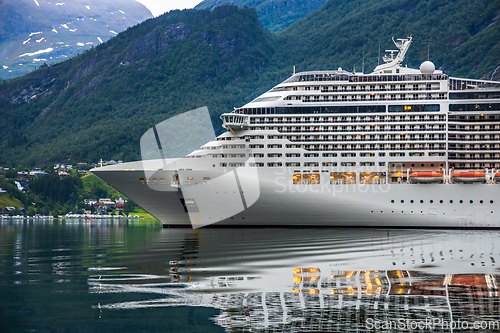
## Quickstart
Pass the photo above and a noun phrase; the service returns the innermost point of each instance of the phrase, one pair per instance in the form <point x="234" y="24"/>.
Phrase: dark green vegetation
<point x="55" y="195"/>
<point x="99" y="104"/>
<point x="48" y="194"/>
<point x="274" y="15"/>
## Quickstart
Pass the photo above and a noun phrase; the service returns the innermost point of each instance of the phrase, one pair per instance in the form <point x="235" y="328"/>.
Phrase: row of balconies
<point x="364" y="140"/>
<point x="454" y="129"/>
<point x="319" y="120"/>
<point x="372" y="97"/>
<point x="371" y="148"/>
<point x="461" y="158"/>
<point x="330" y="89"/>
<point x="361" y="130"/>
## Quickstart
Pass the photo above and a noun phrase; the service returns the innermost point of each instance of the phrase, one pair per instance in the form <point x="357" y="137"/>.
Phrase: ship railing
<point x="472" y="148"/>
<point x="334" y="121"/>
<point x="317" y="100"/>
<point x="474" y="129"/>
<point x="450" y="158"/>
<point x="408" y="89"/>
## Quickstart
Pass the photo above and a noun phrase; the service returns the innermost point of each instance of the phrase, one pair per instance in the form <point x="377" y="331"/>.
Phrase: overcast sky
<point x="158" y="7"/>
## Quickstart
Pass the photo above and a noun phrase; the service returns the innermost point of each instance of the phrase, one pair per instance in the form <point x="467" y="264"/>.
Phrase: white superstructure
<point x="398" y="147"/>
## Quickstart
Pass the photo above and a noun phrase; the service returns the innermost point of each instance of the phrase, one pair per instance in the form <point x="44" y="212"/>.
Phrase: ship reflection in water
<point x="317" y="280"/>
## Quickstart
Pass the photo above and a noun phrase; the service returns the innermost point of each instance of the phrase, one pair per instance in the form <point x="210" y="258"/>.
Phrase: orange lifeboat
<point x="469" y="177"/>
<point x="426" y="177"/>
<point x="497" y="177"/>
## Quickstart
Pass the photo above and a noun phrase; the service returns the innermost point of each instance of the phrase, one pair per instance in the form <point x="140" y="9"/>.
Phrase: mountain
<point x="98" y="104"/>
<point x="34" y="32"/>
<point x="274" y="15"/>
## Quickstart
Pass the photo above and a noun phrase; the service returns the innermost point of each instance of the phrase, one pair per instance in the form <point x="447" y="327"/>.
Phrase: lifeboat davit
<point x="469" y="177"/>
<point x="426" y="177"/>
<point x="497" y="177"/>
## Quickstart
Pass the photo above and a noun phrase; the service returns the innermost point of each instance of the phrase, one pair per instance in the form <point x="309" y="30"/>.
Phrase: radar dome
<point x="427" y="67"/>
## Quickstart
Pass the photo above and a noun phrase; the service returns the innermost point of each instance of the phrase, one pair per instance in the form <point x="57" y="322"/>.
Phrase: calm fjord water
<point x="76" y="276"/>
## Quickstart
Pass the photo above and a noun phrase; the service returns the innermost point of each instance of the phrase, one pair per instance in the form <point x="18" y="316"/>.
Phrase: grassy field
<point x="91" y="181"/>
<point x="6" y="201"/>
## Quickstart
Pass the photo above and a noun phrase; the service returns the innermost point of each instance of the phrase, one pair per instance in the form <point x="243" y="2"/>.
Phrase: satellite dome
<point x="427" y="67"/>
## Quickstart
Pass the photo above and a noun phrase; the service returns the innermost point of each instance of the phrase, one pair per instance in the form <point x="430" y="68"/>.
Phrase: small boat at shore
<point x="496" y="177"/>
<point x="426" y="177"/>
<point x="469" y="177"/>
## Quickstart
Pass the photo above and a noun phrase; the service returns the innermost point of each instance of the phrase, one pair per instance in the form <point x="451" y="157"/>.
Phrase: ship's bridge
<point x="234" y="122"/>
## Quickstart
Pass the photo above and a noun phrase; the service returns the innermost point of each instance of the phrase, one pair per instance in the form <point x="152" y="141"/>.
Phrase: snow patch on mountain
<point x="36" y="53"/>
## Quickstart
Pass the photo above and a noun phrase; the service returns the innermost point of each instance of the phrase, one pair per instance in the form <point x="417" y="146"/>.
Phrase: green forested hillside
<point x="98" y="105"/>
<point x="462" y="37"/>
<point x="274" y="15"/>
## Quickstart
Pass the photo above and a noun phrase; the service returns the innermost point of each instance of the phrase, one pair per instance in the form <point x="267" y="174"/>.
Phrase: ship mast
<point x="392" y="63"/>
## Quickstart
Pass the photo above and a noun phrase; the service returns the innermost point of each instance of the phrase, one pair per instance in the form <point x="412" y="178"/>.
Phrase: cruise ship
<point x="399" y="147"/>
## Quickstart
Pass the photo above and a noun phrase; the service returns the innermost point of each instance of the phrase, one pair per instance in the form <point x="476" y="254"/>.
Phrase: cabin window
<point x="342" y="178"/>
<point x="311" y="178"/>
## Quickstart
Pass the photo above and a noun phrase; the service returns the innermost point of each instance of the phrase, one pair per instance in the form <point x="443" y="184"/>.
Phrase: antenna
<point x="428" y="53"/>
<point x="363" y="66"/>
<point x="293" y="70"/>
<point x="378" y="59"/>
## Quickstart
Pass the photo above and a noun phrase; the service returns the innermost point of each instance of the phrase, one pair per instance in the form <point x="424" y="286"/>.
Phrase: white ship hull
<point x="324" y="204"/>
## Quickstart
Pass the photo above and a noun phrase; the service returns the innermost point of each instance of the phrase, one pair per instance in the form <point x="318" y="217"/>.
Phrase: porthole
<point x="404" y="165"/>
<point x="431" y="201"/>
<point x="471" y="201"/>
<point x="451" y="201"/>
<point x="213" y="165"/>
<point x="442" y="165"/>
<point x="480" y="201"/>
<point x="461" y="201"/>
<point x="393" y="165"/>
<point x="491" y="201"/>
<point x="402" y="201"/>
<point x="413" y="165"/>
<point x="422" y="165"/>
<point x="441" y="201"/>
<point x="421" y="201"/>
<point x="432" y="165"/>
<point x="392" y="201"/>
<point x="411" y="201"/>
